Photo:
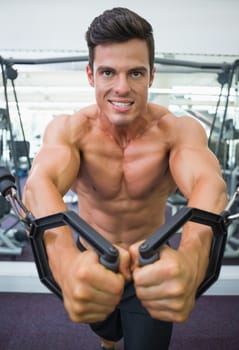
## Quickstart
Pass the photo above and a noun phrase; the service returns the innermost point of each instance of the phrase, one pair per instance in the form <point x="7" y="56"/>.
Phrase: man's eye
<point x="136" y="74"/>
<point x="107" y="73"/>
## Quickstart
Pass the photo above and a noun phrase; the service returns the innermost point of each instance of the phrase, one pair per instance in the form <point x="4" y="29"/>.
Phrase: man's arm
<point x="198" y="176"/>
<point x="168" y="287"/>
<point x="89" y="294"/>
<point x="196" y="170"/>
<point x="52" y="173"/>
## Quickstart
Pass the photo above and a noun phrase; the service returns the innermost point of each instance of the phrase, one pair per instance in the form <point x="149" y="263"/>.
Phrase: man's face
<point x="121" y="77"/>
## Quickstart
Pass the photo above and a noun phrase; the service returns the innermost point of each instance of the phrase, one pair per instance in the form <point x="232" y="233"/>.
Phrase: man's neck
<point x="124" y="134"/>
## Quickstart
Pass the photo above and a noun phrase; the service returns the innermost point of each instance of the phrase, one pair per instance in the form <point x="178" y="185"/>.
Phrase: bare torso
<point x="123" y="190"/>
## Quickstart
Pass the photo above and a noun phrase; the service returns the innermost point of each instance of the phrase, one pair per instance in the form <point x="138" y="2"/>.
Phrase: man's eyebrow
<point x="104" y="68"/>
<point x="142" y="68"/>
<point x="139" y="68"/>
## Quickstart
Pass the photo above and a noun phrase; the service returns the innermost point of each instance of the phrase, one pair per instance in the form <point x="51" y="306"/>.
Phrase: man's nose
<point x="122" y="86"/>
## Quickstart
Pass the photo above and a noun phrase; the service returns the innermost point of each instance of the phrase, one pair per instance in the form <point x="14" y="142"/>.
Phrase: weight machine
<point x="108" y="254"/>
<point x="12" y="239"/>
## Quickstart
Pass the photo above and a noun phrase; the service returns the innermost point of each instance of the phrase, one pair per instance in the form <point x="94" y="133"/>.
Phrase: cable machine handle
<point x="108" y="254"/>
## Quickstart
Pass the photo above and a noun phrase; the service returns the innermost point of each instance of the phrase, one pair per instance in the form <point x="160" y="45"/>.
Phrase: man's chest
<point x="135" y="171"/>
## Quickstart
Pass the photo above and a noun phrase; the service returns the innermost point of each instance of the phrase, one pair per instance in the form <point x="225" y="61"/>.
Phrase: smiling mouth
<point x="121" y="105"/>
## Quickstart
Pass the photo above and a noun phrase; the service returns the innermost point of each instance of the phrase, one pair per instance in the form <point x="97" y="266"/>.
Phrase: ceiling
<point x="185" y="26"/>
<point x="196" y="31"/>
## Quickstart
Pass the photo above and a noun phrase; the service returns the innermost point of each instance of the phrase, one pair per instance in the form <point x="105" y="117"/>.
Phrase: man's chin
<point x="121" y="121"/>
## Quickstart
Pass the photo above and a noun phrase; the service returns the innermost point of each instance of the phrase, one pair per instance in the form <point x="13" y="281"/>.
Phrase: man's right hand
<point x="90" y="291"/>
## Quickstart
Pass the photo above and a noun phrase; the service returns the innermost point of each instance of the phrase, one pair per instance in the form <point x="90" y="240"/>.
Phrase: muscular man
<point x="123" y="157"/>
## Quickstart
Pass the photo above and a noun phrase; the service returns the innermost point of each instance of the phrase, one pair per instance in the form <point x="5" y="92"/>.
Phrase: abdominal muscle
<point x="123" y="222"/>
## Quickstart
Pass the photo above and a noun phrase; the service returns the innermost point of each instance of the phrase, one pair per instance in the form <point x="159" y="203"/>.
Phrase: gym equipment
<point x="9" y="238"/>
<point x="108" y="254"/>
<point x="149" y="249"/>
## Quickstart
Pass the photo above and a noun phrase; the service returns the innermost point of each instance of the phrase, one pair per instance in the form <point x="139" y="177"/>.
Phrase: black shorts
<point x="131" y="321"/>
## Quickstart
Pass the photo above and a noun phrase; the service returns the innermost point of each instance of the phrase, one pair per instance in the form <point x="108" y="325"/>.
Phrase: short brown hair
<point x="119" y="25"/>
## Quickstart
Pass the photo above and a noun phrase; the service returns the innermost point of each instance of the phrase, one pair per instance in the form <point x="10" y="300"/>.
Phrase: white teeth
<point x="121" y="104"/>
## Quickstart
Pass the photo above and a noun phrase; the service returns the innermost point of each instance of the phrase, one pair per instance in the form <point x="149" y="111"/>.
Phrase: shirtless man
<point x="123" y="157"/>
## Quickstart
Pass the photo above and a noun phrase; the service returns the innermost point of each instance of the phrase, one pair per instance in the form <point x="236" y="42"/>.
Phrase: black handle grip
<point x="149" y="249"/>
<point x="108" y="254"/>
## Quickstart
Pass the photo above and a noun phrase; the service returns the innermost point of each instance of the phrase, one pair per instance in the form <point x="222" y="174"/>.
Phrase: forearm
<point x="209" y="193"/>
<point x="197" y="238"/>
<point x="195" y="244"/>
<point x="42" y="198"/>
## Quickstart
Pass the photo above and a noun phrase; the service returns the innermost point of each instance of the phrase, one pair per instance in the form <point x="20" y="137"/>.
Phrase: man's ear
<point x="90" y="75"/>
<point x="152" y="77"/>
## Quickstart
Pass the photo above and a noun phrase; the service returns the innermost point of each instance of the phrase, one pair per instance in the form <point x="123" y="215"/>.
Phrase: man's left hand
<point x="166" y="288"/>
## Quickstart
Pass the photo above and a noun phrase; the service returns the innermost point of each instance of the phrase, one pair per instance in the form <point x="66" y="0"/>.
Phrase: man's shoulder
<point x="157" y="111"/>
<point x="81" y="116"/>
<point x="167" y="117"/>
<point x="162" y="114"/>
<point x="84" y="114"/>
<point x="71" y="126"/>
<point x="176" y="129"/>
